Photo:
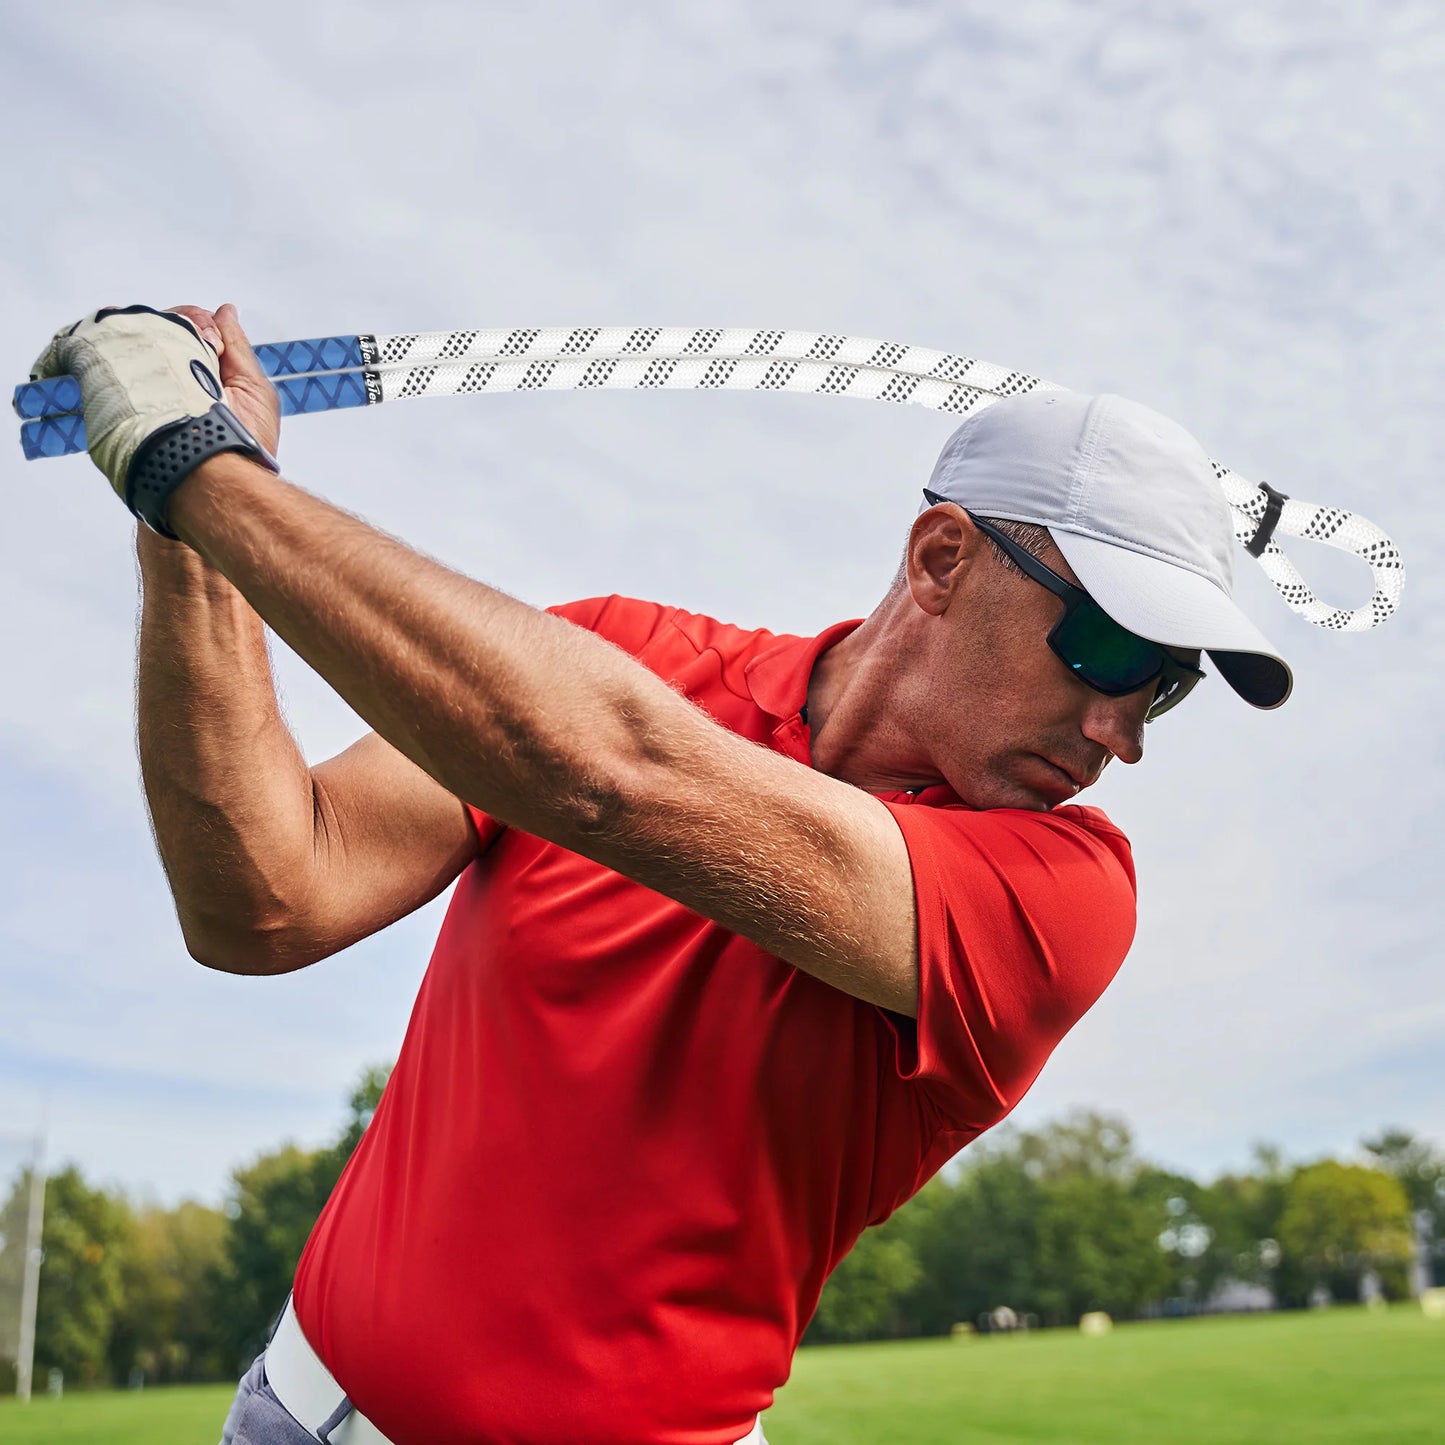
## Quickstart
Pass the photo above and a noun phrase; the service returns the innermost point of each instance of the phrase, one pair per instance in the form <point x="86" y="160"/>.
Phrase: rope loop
<point x="1331" y="525"/>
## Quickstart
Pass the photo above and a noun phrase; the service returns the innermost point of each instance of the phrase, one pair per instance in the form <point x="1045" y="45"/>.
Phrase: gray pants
<point x="257" y="1417"/>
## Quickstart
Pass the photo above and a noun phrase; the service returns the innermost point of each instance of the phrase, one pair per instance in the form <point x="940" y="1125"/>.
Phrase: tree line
<point x="1049" y="1222"/>
<point x="136" y="1293"/>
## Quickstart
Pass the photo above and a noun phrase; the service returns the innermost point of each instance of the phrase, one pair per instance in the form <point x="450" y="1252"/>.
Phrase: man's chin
<point x="1008" y="795"/>
<point x="1035" y="786"/>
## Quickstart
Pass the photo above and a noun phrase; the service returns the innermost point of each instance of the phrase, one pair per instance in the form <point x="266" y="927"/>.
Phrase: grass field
<point x="1348" y="1375"/>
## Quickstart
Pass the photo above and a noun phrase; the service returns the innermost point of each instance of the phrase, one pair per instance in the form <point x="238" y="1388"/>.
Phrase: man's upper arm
<point x="1023" y="919"/>
<point x="388" y="838"/>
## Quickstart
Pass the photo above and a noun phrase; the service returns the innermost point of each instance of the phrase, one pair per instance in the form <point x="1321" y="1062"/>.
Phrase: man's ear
<point x="942" y="547"/>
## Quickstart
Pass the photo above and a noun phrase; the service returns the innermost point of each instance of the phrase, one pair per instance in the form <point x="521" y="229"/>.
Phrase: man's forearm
<point x="228" y="790"/>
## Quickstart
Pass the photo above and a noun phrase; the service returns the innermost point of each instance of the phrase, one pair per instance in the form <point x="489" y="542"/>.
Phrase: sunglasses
<point x="1095" y="648"/>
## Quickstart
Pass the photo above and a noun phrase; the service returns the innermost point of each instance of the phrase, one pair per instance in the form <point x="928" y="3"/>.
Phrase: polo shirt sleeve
<point x="624" y="622"/>
<point x="1023" y="920"/>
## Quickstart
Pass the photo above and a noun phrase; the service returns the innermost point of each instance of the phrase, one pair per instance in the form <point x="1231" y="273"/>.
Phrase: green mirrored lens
<point x="1173" y="690"/>
<point x="1104" y="654"/>
<point x="1165" y="694"/>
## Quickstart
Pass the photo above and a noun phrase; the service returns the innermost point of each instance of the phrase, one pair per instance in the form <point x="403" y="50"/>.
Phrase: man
<point x="751" y="933"/>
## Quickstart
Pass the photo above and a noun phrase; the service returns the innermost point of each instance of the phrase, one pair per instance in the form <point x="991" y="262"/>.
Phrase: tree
<point x="1098" y="1249"/>
<point x="1185" y="1240"/>
<point x="165" y="1326"/>
<point x="273" y="1204"/>
<point x="1051" y="1222"/>
<point x="360" y="1106"/>
<point x="85" y="1237"/>
<point x="862" y="1297"/>
<point x="1420" y="1167"/>
<point x="1099" y="1146"/>
<point x="1343" y="1219"/>
<point x="14" y="1219"/>
<point x="1242" y="1213"/>
<point x="979" y="1244"/>
<point x="272" y="1207"/>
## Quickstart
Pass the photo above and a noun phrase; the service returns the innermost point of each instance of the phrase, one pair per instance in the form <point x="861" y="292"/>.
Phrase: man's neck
<point x="858" y="710"/>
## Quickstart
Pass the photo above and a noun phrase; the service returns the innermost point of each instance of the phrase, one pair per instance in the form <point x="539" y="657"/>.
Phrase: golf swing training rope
<point x="337" y="372"/>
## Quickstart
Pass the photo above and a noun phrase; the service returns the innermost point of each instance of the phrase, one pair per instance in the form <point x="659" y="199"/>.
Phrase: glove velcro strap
<point x="166" y="458"/>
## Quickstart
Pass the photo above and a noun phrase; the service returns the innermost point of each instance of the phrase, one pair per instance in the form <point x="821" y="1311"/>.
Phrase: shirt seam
<point x="699" y="651"/>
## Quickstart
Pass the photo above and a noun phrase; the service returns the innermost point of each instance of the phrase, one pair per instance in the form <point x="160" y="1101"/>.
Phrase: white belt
<point x="305" y="1387"/>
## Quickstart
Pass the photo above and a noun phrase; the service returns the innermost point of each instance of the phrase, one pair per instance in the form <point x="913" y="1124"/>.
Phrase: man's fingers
<point x="204" y="321"/>
<point x="238" y="358"/>
<point x="249" y="392"/>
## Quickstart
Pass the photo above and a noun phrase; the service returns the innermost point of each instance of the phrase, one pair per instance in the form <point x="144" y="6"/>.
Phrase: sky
<point x="1230" y="213"/>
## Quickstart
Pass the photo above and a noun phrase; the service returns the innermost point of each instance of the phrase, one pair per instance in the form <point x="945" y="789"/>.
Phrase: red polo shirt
<point x="623" y="1148"/>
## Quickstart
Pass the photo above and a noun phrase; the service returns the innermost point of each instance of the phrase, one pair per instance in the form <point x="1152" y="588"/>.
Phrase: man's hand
<point x="247" y="390"/>
<point x="152" y="396"/>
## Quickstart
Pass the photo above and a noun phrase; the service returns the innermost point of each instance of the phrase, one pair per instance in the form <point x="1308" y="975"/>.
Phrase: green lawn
<point x="182" y="1415"/>
<point x="1346" y="1376"/>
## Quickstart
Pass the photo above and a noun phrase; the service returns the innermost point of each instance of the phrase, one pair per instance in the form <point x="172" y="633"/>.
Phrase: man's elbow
<point x="254" y="951"/>
<point x="581" y="795"/>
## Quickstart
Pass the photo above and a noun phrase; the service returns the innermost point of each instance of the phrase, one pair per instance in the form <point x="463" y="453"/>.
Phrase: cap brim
<point x="1170" y="604"/>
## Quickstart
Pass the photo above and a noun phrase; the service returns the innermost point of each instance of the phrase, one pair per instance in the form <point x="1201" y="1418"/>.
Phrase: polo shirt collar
<point x="778" y="676"/>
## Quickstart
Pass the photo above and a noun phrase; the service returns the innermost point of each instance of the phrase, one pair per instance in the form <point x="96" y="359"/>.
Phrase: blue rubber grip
<point x="322" y="353"/>
<point x="59" y="394"/>
<point x="53" y="397"/>
<point x="53" y="436"/>
<point x="301" y="394"/>
<point x="60" y="436"/>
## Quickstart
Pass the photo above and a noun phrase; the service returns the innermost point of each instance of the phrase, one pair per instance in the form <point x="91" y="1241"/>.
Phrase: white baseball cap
<point x="1133" y="503"/>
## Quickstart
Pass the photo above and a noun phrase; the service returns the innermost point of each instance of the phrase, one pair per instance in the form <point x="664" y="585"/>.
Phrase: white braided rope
<point x="676" y="342"/>
<point x="451" y="363"/>
<point x="689" y="373"/>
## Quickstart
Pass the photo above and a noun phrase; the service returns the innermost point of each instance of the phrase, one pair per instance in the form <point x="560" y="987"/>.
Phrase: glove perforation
<point x="169" y="456"/>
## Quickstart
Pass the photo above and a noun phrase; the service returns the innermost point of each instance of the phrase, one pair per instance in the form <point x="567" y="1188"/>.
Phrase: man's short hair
<point x="1034" y="539"/>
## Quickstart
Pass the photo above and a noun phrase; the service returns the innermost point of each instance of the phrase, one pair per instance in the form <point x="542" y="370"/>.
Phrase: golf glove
<point x="152" y="401"/>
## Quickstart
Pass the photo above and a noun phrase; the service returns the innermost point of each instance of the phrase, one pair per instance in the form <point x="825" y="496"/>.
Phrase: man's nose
<point x="1117" y="723"/>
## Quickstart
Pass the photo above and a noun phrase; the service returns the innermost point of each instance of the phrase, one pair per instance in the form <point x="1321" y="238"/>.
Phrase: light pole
<point x="28" y="1241"/>
<point x="30" y="1283"/>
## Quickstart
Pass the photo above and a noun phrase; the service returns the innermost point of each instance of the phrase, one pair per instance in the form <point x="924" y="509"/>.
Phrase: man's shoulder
<point x="1018" y="835"/>
<point x="1102" y="832"/>
<point x="1084" y="815"/>
<point x="1074" y="815"/>
<point x="637" y="625"/>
